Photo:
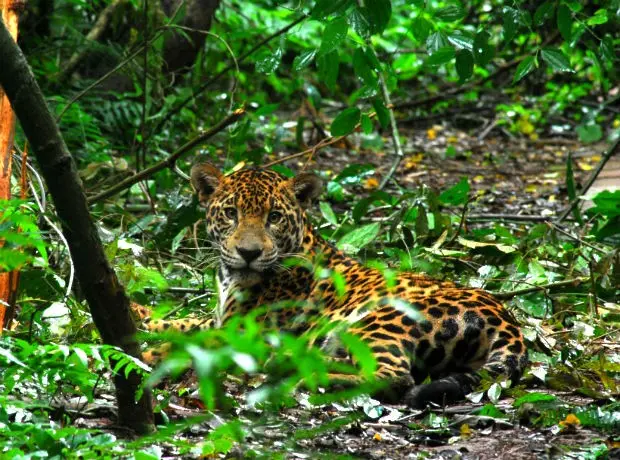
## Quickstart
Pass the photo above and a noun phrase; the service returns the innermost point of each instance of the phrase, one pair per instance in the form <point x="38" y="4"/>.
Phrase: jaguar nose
<point x="249" y="255"/>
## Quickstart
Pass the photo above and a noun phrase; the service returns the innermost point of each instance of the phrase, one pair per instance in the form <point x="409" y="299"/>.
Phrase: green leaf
<point x="570" y="186"/>
<point x="543" y="13"/>
<point x="421" y="29"/>
<point x="303" y="60"/>
<point x="270" y="63"/>
<point x="334" y="34"/>
<point x="462" y="40"/>
<point x="464" y="64"/>
<point x="329" y="65"/>
<point x="328" y="213"/>
<point x="589" y="133"/>
<point x="324" y="8"/>
<point x="437" y="41"/>
<point x="457" y="194"/>
<point x="355" y="240"/>
<point x="450" y="13"/>
<point x="600" y="17"/>
<point x="607" y="49"/>
<point x="367" y="127"/>
<point x="556" y="59"/>
<point x="346" y="121"/>
<point x="531" y="398"/>
<point x="607" y="203"/>
<point x="359" y="23"/>
<point x="441" y="56"/>
<point x="483" y="51"/>
<point x="363" y="68"/>
<point x="383" y="113"/>
<point x="378" y="14"/>
<point x="565" y="22"/>
<point x="525" y="66"/>
<point x="511" y="23"/>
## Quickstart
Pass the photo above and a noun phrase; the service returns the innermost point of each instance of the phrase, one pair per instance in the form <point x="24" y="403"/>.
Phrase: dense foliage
<point x="532" y="70"/>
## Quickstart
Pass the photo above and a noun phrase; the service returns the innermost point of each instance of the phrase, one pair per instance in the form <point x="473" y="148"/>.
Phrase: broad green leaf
<point x="329" y="65"/>
<point x="510" y="17"/>
<point x="382" y="112"/>
<point x="334" y="34"/>
<point x="490" y="410"/>
<point x="441" y="56"/>
<point x="565" y="22"/>
<point x="367" y="127"/>
<point x="328" y="213"/>
<point x="556" y="59"/>
<point x="543" y="13"/>
<point x="450" y="13"/>
<point x="354" y="173"/>
<point x="607" y="49"/>
<point x="532" y="398"/>
<point x="303" y="60"/>
<point x="324" y="8"/>
<point x="363" y="68"/>
<point x="378" y="14"/>
<point x="355" y="240"/>
<point x="436" y="41"/>
<point x="462" y="40"/>
<point x="464" y="64"/>
<point x="589" y="133"/>
<point x="421" y="29"/>
<point x="346" y="121"/>
<point x="607" y="203"/>
<point x="457" y="194"/>
<point x="359" y="23"/>
<point x="525" y="66"/>
<point x="600" y="17"/>
<point x="270" y="63"/>
<point x="483" y="51"/>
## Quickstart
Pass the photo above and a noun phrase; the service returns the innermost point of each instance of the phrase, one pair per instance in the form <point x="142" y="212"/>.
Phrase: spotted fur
<point x="256" y="219"/>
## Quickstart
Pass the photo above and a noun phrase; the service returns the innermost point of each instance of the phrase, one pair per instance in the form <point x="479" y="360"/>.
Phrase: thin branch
<point x="170" y="160"/>
<point x="172" y="112"/>
<point x="515" y="217"/>
<point x="545" y="287"/>
<point x="605" y="158"/>
<point x="311" y="151"/>
<point x="398" y="149"/>
<point x="574" y="237"/>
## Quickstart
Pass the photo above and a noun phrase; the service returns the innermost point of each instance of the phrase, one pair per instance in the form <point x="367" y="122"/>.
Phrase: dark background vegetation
<point x="502" y="111"/>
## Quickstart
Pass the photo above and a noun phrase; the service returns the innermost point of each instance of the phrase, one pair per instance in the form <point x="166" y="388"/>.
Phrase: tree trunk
<point x="106" y="298"/>
<point x="9" y="14"/>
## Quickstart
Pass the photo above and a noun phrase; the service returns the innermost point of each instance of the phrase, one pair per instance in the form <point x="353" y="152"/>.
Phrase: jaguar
<point x="415" y="326"/>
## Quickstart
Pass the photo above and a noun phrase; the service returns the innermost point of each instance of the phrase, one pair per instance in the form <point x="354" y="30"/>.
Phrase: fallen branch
<point x="169" y="161"/>
<point x="173" y="111"/>
<point x="546" y="287"/>
<point x="601" y="164"/>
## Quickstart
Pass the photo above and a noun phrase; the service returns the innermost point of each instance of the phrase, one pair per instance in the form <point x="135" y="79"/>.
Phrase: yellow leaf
<point x="534" y="136"/>
<point x="478" y="179"/>
<point x="451" y="140"/>
<point x="551" y="198"/>
<point x="595" y="158"/>
<point x="616" y="123"/>
<point x="431" y="133"/>
<point x="570" y="420"/>
<point x="584" y="166"/>
<point x="413" y="160"/>
<point x="377" y="437"/>
<point x="532" y="188"/>
<point x="524" y="125"/>
<point x="238" y="166"/>
<point x="465" y="430"/>
<point x="371" y="183"/>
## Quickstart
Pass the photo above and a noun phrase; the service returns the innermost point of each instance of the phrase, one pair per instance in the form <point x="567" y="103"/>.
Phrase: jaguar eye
<point x="231" y="213"/>
<point x="274" y="217"/>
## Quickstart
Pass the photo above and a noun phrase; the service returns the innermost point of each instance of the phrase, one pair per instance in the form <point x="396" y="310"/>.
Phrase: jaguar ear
<point x="205" y="178"/>
<point x="307" y="187"/>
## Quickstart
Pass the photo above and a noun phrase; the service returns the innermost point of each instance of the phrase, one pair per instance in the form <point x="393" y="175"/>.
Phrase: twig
<point x="545" y="287"/>
<point x="461" y="223"/>
<point x="170" y="160"/>
<point x="516" y="217"/>
<point x="608" y="154"/>
<point x="574" y="237"/>
<point x="398" y="149"/>
<point x="172" y="112"/>
<point x="324" y="143"/>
